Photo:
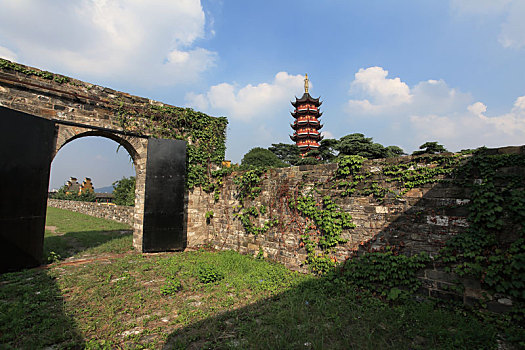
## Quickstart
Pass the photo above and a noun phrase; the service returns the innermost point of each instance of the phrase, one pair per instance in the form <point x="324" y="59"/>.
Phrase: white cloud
<point x="327" y="134"/>
<point x="387" y="94"/>
<point x="383" y="91"/>
<point x="512" y="33"/>
<point x="251" y="101"/>
<point x="513" y="28"/>
<point x="151" y="42"/>
<point x="479" y="6"/>
<point x="434" y="111"/>
<point x="473" y="128"/>
<point x="7" y="54"/>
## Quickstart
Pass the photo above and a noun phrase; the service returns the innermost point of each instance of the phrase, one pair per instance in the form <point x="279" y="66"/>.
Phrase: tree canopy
<point x="430" y="148"/>
<point x="358" y="144"/>
<point x="63" y="193"/>
<point x="330" y="149"/>
<point x="261" y="157"/>
<point x="288" y="153"/>
<point x="124" y="191"/>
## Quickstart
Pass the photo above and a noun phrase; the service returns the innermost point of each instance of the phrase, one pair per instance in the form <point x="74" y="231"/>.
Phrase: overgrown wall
<point x="111" y="212"/>
<point x="420" y="220"/>
<point x="414" y="220"/>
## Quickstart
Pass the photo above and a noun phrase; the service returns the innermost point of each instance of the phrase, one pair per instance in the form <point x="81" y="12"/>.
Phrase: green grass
<point x="77" y="234"/>
<point x="224" y="300"/>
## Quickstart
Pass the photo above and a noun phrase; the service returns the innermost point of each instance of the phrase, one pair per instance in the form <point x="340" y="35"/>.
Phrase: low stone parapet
<point x="118" y="213"/>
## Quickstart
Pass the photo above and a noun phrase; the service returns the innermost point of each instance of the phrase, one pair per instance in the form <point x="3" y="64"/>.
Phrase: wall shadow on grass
<point x="32" y="314"/>
<point x="330" y="314"/>
<point x="91" y="242"/>
<point x="325" y="314"/>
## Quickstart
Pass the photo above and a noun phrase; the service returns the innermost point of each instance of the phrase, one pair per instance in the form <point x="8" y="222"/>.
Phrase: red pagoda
<point x="306" y="126"/>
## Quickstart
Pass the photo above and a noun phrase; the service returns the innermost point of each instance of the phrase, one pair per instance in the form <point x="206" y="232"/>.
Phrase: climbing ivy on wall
<point x="415" y="172"/>
<point x="492" y="249"/>
<point x="206" y="136"/>
<point x="5" y="64"/>
<point x="323" y="231"/>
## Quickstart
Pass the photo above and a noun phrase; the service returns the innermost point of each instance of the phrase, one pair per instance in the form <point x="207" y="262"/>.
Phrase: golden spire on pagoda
<point x="306" y="81"/>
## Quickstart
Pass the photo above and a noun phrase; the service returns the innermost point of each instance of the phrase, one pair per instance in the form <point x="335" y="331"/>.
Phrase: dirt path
<point x="52" y="229"/>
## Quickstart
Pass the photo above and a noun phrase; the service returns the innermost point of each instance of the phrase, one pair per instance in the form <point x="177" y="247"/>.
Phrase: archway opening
<point x="92" y="175"/>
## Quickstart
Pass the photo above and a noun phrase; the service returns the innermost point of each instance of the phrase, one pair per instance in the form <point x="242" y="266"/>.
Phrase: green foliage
<point x="63" y="193"/>
<point x="327" y="149"/>
<point x="287" y="153"/>
<point x="209" y="274"/>
<point x="217" y="180"/>
<point x="261" y="158"/>
<point x="496" y="209"/>
<point x="311" y="158"/>
<point x="430" y="148"/>
<point x="414" y="173"/>
<point x="349" y="165"/>
<point x="421" y="170"/>
<point x="124" y="191"/>
<point x="5" y="64"/>
<point x="248" y="184"/>
<point x="394" y="151"/>
<point x="171" y="286"/>
<point x="385" y="272"/>
<point x="53" y="257"/>
<point x="78" y="233"/>
<point x="205" y="135"/>
<point x="324" y="233"/>
<point x="245" y="216"/>
<point x="260" y="254"/>
<point x="358" y="144"/>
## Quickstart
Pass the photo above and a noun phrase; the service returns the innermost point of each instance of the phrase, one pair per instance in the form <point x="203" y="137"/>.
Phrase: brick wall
<point x="111" y="212"/>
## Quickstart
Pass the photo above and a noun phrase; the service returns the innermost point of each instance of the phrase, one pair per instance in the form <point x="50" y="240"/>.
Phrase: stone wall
<point x="100" y="210"/>
<point x="420" y="220"/>
<point x="81" y="109"/>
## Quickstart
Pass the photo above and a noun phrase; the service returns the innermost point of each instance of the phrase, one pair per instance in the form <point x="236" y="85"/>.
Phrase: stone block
<point x="442" y="276"/>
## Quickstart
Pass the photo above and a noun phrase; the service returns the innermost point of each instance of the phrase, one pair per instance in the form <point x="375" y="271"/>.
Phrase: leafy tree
<point x="327" y="149"/>
<point x="288" y="153"/>
<point x="124" y="191"/>
<point x="358" y="144"/>
<point x="394" y="151"/>
<point x="430" y="148"/>
<point x="63" y="193"/>
<point x="311" y="158"/>
<point x="261" y="157"/>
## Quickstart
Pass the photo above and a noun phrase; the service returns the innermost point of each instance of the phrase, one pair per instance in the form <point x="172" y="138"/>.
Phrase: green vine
<point x="249" y="184"/>
<point x="385" y="272"/>
<point x="245" y="216"/>
<point x="496" y="209"/>
<point x="324" y="233"/>
<point x="205" y="135"/>
<point x="5" y="64"/>
<point x="419" y="171"/>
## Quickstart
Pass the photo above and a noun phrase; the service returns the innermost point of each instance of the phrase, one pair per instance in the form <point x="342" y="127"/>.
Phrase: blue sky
<point x="403" y="72"/>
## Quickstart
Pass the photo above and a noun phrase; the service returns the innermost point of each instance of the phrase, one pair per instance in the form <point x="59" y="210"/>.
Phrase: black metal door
<point x="163" y="224"/>
<point x="26" y="149"/>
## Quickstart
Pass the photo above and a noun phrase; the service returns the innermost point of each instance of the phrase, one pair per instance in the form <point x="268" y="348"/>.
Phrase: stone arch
<point x="137" y="149"/>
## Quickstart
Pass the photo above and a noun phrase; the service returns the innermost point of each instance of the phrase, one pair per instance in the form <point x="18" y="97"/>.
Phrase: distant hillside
<point x="107" y="189"/>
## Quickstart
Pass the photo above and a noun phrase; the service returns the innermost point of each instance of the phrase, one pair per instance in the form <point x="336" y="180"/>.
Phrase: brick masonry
<point x="100" y="210"/>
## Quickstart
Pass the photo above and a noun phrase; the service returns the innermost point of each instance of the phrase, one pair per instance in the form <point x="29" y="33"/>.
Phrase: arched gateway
<point x="38" y="116"/>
